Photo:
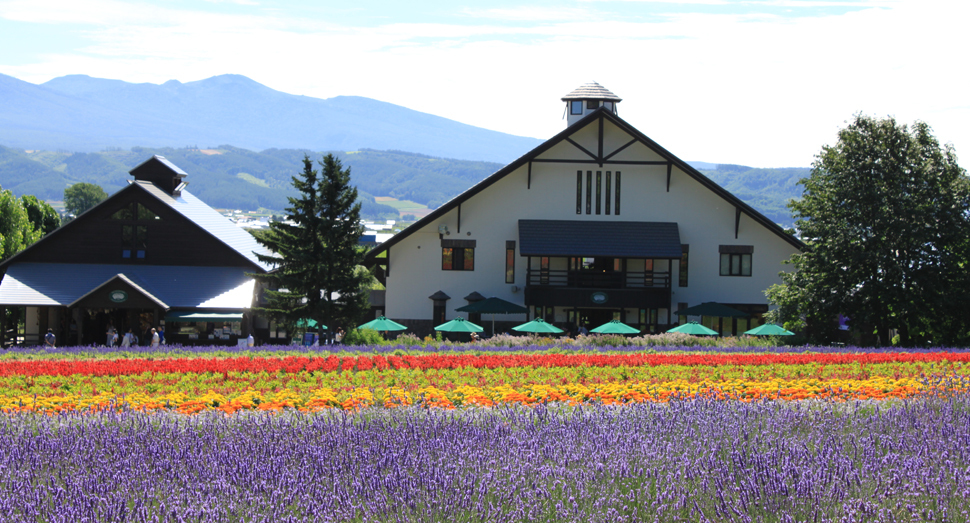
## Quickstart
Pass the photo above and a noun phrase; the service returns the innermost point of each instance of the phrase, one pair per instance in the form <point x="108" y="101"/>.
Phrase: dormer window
<point x="576" y="107"/>
<point x="592" y="104"/>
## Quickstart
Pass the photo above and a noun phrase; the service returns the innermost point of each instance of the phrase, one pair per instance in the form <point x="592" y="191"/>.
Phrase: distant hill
<point x="767" y="190"/>
<point x="232" y="177"/>
<point x="80" y="113"/>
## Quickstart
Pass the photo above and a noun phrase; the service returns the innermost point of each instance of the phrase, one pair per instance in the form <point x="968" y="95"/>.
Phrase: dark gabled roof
<point x="187" y="205"/>
<point x="555" y="140"/>
<point x="120" y="277"/>
<point x="659" y="240"/>
<point x="53" y="284"/>
<point x="212" y="222"/>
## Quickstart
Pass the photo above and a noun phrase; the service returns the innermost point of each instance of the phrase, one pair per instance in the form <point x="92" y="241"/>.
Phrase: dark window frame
<point x="684" y="272"/>
<point x="608" y="190"/>
<point x="579" y="192"/>
<point x="510" y="262"/>
<point x="735" y="264"/>
<point x="616" y="204"/>
<point x="462" y="258"/>
<point x="575" y="107"/>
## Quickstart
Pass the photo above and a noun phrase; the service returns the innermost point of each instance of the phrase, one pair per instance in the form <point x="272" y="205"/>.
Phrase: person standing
<point x="156" y="340"/>
<point x="126" y="341"/>
<point x="161" y="335"/>
<point x="339" y="337"/>
<point x="49" y="338"/>
<point x="111" y="336"/>
<point x="250" y="341"/>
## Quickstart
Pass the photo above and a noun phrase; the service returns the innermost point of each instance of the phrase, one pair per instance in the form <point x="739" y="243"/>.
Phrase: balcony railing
<point x="599" y="279"/>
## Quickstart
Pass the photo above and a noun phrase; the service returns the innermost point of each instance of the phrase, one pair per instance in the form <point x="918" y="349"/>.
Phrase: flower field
<point x="485" y="433"/>
<point x="441" y="380"/>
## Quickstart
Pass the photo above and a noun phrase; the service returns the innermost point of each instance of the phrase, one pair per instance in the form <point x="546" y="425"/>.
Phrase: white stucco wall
<point x="705" y="221"/>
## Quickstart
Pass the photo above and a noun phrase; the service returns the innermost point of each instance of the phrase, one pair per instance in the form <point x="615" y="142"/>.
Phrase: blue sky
<point x="759" y="82"/>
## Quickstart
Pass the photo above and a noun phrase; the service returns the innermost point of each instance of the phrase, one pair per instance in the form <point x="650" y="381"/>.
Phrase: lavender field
<point x="695" y="460"/>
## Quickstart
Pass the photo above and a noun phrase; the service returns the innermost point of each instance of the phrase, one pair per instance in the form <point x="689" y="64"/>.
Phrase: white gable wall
<point x="705" y="221"/>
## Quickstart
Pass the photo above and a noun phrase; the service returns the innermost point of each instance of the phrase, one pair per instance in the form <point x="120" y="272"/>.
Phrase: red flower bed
<point x="294" y="364"/>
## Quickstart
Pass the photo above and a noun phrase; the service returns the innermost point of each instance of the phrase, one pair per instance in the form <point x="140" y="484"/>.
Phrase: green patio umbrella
<point x="459" y="324"/>
<point x="538" y="326"/>
<point x="306" y="323"/>
<point x="770" y="329"/>
<point x="615" y="327"/>
<point x="493" y="306"/>
<point x="694" y="328"/>
<point x="383" y="324"/>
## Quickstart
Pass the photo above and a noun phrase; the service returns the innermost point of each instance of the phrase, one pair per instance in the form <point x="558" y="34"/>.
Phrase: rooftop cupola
<point x="161" y="172"/>
<point x="586" y="99"/>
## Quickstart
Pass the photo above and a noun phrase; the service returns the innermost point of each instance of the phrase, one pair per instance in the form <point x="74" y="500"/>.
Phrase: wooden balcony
<point x="611" y="289"/>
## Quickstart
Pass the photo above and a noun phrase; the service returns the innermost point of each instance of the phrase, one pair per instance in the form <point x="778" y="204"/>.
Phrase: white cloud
<point x="757" y="89"/>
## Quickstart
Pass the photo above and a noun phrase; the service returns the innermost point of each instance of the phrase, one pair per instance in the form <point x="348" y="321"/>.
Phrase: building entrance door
<point x="592" y="318"/>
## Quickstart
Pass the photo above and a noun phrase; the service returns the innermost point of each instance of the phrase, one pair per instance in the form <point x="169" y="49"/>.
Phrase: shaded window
<point x="735" y="264"/>
<point x="579" y="192"/>
<point x="133" y="241"/>
<point x="544" y="270"/>
<point x="589" y="192"/>
<point x="134" y="211"/>
<point x="457" y="259"/>
<point x="599" y="191"/>
<point x="144" y="213"/>
<point x="736" y="259"/>
<point x="616" y="209"/>
<point x="510" y="262"/>
<point x="684" y="265"/>
<point x="592" y="104"/>
<point x="608" y="179"/>
<point x="123" y="213"/>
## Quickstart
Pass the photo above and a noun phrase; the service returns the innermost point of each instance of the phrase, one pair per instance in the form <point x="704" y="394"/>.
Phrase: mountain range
<point x="82" y="129"/>
<point x="79" y="113"/>
<point x="232" y="177"/>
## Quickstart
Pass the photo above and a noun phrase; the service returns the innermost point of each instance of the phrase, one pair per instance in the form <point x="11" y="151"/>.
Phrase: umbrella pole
<point x="493" y="325"/>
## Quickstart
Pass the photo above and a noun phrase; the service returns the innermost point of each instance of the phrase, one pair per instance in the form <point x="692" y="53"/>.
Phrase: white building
<point x="599" y="222"/>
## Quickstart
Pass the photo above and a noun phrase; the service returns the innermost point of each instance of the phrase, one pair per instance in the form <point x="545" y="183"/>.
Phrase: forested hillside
<point x="231" y="177"/>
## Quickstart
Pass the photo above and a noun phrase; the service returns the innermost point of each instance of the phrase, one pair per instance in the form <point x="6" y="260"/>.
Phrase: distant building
<point x="599" y="222"/>
<point x="152" y="253"/>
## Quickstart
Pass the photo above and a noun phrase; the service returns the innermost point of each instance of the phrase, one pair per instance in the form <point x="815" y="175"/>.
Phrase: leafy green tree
<point x="16" y="230"/>
<point x="317" y="271"/>
<point x="886" y="218"/>
<point x="82" y="196"/>
<point x="43" y="217"/>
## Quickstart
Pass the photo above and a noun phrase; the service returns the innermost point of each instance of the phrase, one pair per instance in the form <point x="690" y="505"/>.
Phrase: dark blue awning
<point x="599" y="238"/>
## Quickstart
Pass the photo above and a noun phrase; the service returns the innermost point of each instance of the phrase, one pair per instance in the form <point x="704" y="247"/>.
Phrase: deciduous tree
<point x="317" y="271"/>
<point x="41" y="214"/>
<point x="82" y="196"/>
<point x="885" y="216"/>
<point x="16" y="230"/>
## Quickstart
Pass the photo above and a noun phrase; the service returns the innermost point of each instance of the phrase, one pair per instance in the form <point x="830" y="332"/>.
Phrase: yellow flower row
<point x="469" y="396"/>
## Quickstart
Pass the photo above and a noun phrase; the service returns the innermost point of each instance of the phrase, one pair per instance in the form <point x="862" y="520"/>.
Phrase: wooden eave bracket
<point x="737" y="221"/>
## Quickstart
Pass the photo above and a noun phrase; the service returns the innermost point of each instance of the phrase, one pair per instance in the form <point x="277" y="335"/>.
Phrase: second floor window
<point x="457" y="259"/>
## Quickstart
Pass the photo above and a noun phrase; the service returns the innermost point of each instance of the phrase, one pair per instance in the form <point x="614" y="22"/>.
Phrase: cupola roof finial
<point x="592" y="91"/>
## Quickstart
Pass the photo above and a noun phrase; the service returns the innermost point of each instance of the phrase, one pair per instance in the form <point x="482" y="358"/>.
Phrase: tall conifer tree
<point x="317" y="274"/>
